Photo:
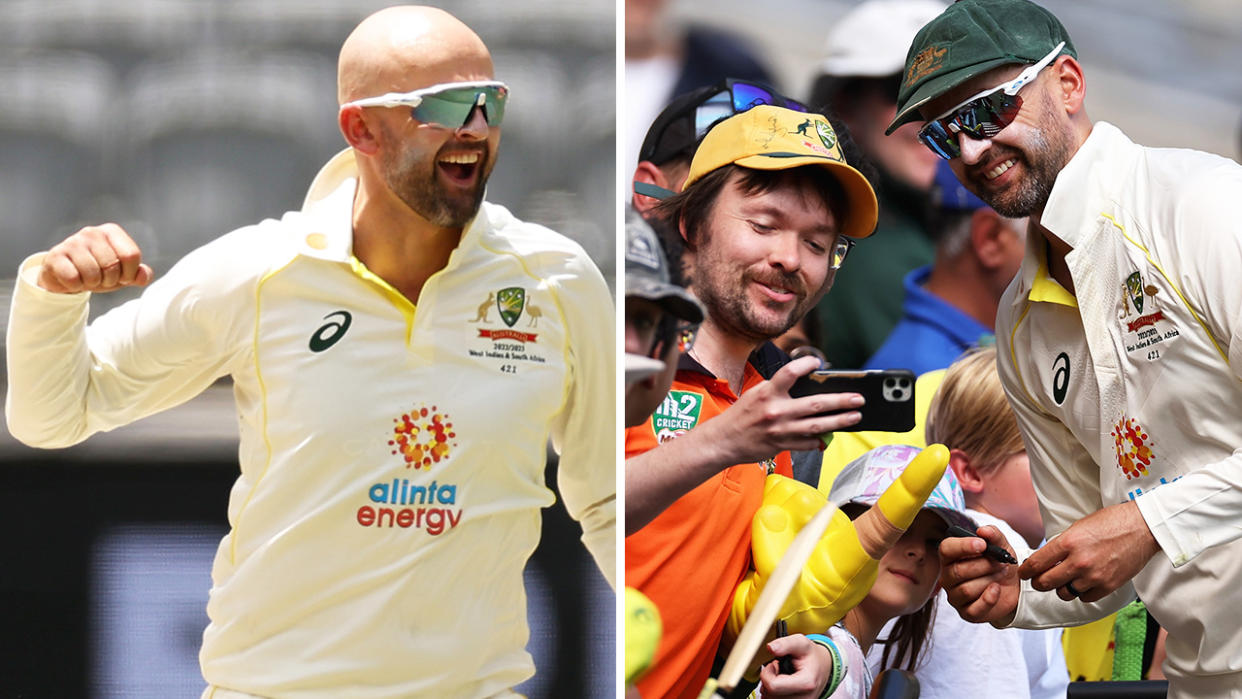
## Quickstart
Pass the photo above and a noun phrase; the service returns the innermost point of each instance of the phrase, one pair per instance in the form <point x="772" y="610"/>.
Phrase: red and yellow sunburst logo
<point x="423" y="437"/>
<point x="1133" y="450"/>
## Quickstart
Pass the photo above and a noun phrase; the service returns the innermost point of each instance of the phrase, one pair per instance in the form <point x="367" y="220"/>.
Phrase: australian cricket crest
<point x="1134" y="287"/>
<point x="826" y="134"/>
<point x="1148" y="325"/>
<point x="510" y="302"/>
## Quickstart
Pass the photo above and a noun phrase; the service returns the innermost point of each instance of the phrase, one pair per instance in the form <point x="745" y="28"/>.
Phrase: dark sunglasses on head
<point x="448" y="104"/>
<point x="983" y="115"/>
<point x="733" y="97"/>
<point x="736" y="97"/>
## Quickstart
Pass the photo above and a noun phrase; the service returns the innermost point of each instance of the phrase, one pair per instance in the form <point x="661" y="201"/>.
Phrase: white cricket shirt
<point x="392" y="457"/>
<point x="1131" y="389"/>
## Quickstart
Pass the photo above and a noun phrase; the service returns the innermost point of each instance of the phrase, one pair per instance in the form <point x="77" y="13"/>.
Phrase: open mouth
<point x="460" y="168"/>
<point x="999" y="169"/>
<point x="777" y="293"/>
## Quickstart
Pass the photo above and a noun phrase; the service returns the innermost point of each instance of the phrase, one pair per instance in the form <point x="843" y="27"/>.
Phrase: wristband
<point x="838" y="664"/>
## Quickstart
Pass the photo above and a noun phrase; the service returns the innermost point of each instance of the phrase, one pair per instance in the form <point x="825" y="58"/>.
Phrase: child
<point x="971" y="416"/>
<point x="904" y="587"/>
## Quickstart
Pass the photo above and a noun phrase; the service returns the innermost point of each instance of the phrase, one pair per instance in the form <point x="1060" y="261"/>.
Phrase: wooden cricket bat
<point x="769" y="604"/>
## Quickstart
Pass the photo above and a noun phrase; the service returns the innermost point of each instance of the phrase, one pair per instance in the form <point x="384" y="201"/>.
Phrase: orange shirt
<point x="690" y="558"/>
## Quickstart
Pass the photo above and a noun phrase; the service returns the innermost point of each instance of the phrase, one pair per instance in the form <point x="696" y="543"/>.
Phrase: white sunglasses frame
<point x="1012" y="87"/>
<point x="415" y="97"/>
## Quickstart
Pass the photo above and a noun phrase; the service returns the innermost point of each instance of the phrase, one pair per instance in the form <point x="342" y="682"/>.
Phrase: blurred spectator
<point x="663" y="58"/>
<point x="661" y="318"/>
<point x="859" y="75"/>
<point x="950" y="305"/>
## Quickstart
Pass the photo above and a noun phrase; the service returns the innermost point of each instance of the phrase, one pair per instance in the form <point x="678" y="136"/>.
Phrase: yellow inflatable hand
<point x="843" y="567"/>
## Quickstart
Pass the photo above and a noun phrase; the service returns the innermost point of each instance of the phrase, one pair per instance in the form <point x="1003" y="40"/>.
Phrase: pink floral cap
<point x="864" y="479"/>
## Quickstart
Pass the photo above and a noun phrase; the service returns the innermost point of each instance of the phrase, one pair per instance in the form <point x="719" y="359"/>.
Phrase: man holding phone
<point x="769" y="210"/>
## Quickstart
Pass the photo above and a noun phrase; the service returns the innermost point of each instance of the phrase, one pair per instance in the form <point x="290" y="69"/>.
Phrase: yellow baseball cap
<point x="775" y="138"/>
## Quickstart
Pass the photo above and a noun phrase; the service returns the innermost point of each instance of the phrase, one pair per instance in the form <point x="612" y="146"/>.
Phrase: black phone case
<point x="889" y="394"/>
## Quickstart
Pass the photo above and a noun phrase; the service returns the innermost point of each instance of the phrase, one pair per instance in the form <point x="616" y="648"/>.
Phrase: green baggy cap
<point x="969" y="38"/>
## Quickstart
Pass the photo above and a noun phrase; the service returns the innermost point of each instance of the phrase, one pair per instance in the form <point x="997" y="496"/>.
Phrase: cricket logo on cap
<point x="510" y="303"/>
<point x="826" y="134"/>
<point x="929" y="60"/>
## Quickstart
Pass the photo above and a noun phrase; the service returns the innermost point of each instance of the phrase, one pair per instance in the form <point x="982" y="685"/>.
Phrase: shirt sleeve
<point x="585" y="431"/>
<point x="67" y="381"/>
<point x="1200" y="509"/>
<point x="1066" y="482"/>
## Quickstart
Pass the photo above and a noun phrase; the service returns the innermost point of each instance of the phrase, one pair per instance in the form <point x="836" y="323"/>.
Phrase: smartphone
<point x="889" y="394"/>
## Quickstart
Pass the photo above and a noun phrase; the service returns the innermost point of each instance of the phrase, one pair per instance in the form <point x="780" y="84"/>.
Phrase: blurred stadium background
<point x="1164" y="71"/>
<point x="182" y="120"/>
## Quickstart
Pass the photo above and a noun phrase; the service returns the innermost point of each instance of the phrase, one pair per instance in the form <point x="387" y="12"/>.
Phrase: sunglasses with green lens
<point x="447" y="104"/>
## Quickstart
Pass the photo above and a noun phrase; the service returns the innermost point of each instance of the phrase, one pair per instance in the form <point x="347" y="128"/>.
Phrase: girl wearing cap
<point x="905" y="585"/>
<point x="971" y="416"/>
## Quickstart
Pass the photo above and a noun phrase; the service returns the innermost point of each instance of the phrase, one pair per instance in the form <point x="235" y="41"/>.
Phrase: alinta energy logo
<point x="422" y="437"/>
<point x="1133" y="447"/>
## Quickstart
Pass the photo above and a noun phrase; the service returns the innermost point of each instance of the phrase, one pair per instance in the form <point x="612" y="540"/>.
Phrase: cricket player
<point x="401" y="351"/>
<point x="1118" y="343"/>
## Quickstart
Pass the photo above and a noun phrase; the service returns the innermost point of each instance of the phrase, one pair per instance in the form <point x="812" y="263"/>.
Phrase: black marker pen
<point x="993" y="551"/>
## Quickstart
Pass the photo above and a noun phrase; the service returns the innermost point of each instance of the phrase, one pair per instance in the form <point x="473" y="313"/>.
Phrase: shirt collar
<point x="1072" y="209"/>
<point x="1083" y="184"/>
<point x="328" y="212"/>
<point x="765" y="360"/>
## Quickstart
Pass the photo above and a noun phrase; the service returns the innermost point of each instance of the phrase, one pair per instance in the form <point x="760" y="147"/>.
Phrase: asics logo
<point x="332" y="331"/>
<point x="1060" y="377"/>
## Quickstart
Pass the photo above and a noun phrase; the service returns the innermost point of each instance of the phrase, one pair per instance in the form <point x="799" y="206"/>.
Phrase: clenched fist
<point x="97" y="258"/>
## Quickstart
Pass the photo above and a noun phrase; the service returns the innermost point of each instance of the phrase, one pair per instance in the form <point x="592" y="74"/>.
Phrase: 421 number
<point x="508" y="368"/>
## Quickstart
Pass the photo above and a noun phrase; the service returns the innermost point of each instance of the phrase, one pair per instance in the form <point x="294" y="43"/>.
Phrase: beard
<point x="723" y="290"/>
<point x="415" y="180"/>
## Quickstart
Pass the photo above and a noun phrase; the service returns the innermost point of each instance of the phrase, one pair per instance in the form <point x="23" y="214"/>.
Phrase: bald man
<point x="401" y="352"/>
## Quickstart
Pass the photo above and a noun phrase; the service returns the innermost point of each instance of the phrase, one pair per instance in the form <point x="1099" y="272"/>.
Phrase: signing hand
<point x="812" y="669"/>
<point x="980" y="589"/>
<point x="1095" y="556"/>
<point x="97" y="258"/>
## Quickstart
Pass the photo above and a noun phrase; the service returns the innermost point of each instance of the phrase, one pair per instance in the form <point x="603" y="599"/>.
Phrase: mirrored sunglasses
<point x="448" y="104"/>
<point x="737" y="97"/>
<point x="983" y="115"/>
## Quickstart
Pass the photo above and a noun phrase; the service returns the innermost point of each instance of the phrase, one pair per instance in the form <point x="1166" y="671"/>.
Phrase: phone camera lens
<point x="889" y="383"/>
